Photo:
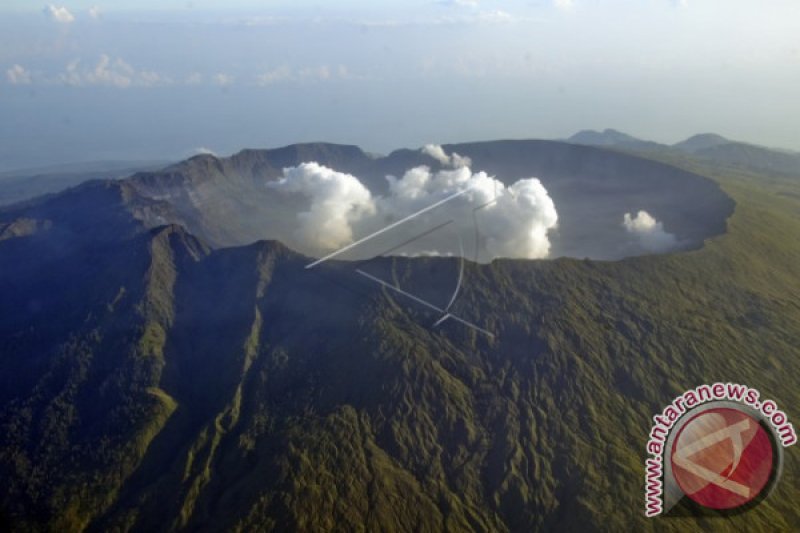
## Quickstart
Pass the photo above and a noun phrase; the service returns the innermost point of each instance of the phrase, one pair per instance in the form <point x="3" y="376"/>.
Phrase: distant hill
<point x="607" y="137"/>
<point x="701" y="142"/>
<point x="706" y="146"/>
<point x="19" y="185"/>
<point x="752" y="157"/>
<point x="610" y="137"/>
<point x="719" y="150"/>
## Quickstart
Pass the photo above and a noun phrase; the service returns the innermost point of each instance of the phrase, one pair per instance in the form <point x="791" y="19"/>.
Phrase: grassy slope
<point x="546" y="427"/>
<point x="649" y="328"/>
<point x="279" y="402"/>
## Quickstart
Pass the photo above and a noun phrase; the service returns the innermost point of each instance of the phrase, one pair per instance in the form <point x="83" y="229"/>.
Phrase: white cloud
<point x="148" y="78"/>
<point x="454" y="17"/>
<point x="459" y="3"/>
<point x="223" y="80"/>
<point x="111" y="73"/>
<point x="202" y="150"/>
<point x="94" y="12"/>
<point x="643" y="222"/>
<point x="341" y="209"/>
<point x="564" y="4"/>
<point x="72" y="75"/>
<point x="260" y="20"/>
<point x="18" y="75"/>
<point x="117" y="73"/>
<point x="458" y="161"/>
<point x="495" y="16"/>
<point x="437" y="152"/>
<point x="338" y="200"/>
<point x="59" y="14"/>
<point x="277" y="75"/>
<point x="649" y="231"/>
<point x="319" y="73"/>
<point x="195" y="78"/>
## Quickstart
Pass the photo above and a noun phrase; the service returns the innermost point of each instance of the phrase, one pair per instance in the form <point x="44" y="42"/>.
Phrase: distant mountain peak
<point x="312" y="150"/>
<point x="607" y="137"/>
<point x="701" y="141"/>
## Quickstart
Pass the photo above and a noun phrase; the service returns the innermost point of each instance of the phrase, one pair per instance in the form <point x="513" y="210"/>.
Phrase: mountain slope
<point x="153" y="383"/>
<point x="81" y="362"/>
<point x="752" y="157"/>
<point x="610" y="137"/>
<point x="26" y="184"/>
<point x="709" y="147"/>
<point x="719" y="150"/>
<point x="701" y="141"/>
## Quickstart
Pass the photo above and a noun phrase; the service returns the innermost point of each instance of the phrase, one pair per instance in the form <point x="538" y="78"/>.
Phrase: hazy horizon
<point x="87" y="81"/>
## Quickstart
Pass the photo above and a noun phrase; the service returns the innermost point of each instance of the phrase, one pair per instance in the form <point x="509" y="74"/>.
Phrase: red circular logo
<point x="722" y="458"/>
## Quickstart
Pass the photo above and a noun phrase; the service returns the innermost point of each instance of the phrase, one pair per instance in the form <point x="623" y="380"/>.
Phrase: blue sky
<point x="141" y="80"/>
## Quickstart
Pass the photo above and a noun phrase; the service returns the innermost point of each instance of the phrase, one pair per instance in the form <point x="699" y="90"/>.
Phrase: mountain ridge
<point x="187" y="387"/>
<point x="710" y="147"/>
<point x="226" y="201"/>
<point x="701" y="141"/>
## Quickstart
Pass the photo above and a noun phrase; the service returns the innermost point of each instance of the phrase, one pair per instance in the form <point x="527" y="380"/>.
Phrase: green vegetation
<point x="170" y="387"/>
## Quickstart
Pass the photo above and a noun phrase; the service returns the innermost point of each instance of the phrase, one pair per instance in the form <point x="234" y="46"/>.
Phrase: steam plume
<point x="515" y="223"/>
<point x="649" y="231"/>
<point x="438" y="153"/>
